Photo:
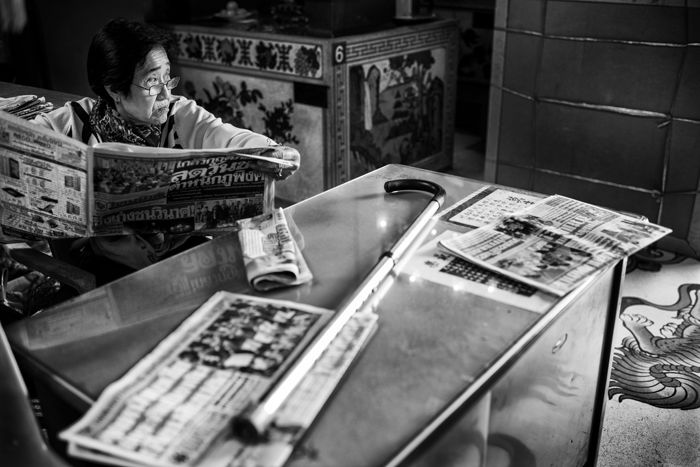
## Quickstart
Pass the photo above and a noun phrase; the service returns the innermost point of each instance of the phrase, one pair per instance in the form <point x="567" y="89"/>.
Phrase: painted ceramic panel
<point x="267" y="107"/>
<point x="287" y="58"/>
<point x="396" y="109"/>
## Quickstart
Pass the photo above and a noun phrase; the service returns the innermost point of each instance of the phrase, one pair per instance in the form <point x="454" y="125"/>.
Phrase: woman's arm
<point x="194" y="127"/>
<point x="197" y="128"/>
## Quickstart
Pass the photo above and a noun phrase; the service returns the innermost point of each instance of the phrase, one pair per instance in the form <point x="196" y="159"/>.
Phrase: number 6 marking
<point x="339" y="54"/>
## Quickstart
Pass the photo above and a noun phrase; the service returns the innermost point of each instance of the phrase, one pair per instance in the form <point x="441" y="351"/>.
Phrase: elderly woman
<point x="129" y="71"/>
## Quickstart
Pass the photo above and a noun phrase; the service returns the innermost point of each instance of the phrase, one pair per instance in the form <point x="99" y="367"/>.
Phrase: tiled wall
<point x="600" y="100"/>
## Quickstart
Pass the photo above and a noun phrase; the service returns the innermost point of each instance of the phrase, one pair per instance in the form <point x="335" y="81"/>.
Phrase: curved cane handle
<point x="419" y="223"/>
<point x="414" y="184"/>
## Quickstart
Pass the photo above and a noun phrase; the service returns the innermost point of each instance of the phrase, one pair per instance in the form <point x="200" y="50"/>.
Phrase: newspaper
<point x="434" y="264"/>
<point x="175" y="406"/>
<point x="26" y="106"/>
<point x="52" y="186"/>
<point x="486" y="205"/>
<point x="556" y="243"/>
<point x="271" y="256"/>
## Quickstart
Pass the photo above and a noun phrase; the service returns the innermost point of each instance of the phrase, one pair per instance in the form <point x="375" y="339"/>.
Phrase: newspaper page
<point x="43" y="181"/>
<point x="434" y="264"/>
<point x="486" y="205"/>
<point x="150" y="190"/>
<point x="174" y="408"/>
<point x="556" y="243"/>
<point x="271" y="256"/>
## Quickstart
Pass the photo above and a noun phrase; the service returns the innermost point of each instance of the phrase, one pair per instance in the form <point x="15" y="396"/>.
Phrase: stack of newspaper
<point x="554" y="244"/>
<point x="174" y="408"/>
<point x="25" y="106"/>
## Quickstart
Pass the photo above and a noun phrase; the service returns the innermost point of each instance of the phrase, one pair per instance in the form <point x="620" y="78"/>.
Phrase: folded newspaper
<point x="174" y="407"/>
<point x="52" y="186"/>
<point x="26" y="106"/>
<point x="555" y="243"/>
<point x="271" y="256"/>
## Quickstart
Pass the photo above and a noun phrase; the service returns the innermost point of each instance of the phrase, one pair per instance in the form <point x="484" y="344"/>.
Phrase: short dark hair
<point x="118" y="49"/>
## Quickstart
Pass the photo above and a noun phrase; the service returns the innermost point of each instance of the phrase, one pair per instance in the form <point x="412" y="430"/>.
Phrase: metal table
<point x="449" y="378"/>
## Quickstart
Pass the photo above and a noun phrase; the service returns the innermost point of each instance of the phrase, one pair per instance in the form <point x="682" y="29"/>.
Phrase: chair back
<point x="21" y="440"/>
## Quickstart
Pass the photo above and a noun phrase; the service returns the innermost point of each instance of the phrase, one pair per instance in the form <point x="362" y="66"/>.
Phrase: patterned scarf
<point x="113" y="128"/>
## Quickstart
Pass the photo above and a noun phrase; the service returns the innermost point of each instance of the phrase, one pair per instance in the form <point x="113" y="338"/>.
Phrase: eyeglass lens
<point x="158" y="88"/>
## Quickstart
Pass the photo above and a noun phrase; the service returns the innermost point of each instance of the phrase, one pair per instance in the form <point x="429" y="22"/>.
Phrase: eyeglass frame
<point x="168" y="84"/>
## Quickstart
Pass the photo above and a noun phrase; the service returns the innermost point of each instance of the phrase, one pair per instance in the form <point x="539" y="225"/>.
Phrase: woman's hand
<point x="289" y="156"/>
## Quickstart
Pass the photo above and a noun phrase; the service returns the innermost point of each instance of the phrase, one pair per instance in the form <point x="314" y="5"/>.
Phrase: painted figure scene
<point x="396" y="110"/>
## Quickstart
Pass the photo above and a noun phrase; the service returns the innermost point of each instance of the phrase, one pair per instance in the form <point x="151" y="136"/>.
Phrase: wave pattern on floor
<point x="654" y="390"/>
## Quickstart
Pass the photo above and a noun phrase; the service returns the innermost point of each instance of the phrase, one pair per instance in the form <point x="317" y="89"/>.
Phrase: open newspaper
<point x="271" y="256"/>
<point x="555" y="243"/>
<point x="52" y="186"/>
<point x="174" y="407"/>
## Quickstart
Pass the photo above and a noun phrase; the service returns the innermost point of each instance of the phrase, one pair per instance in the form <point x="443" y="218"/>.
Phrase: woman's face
<point x="139" y="106"/>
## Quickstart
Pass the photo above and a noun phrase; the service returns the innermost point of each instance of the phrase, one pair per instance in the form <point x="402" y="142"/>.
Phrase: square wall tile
<point x="677" y="213"/>
<point x="600" y="145"/>
<point x="611" y="197"/>
<point x="694" y="24"/>
<point x="621" y="21"/>
<point x="517" y="130"/>
<point x="683" y="171"/>
<point x="687" y="103"/>
<point x="522" y="58"/>
<point x="527" y="15"/>
<point x="515" y="177"/>
<point x="621" y="75"/>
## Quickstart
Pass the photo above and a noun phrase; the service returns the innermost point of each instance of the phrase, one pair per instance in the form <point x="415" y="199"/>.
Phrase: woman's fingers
<point x="290" y="155"/>
<point x="280" y="171"/>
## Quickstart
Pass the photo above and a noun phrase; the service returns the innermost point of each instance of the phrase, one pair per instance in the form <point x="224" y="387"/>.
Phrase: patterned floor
<point x="652" y="416"/>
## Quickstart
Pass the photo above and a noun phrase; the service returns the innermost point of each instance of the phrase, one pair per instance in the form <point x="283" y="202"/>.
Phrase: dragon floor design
<point x="659" y="364"/>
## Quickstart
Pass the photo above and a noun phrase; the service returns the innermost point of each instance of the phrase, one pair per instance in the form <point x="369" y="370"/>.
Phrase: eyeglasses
<point x="158" y="88"/>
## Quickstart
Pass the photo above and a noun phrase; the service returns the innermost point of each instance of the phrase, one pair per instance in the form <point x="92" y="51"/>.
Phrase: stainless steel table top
<point x="435" y="345"/>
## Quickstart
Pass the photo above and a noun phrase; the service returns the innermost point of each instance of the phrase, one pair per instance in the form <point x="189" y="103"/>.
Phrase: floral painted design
<point x="231" y="103"/>
<point x="274" y="56"/>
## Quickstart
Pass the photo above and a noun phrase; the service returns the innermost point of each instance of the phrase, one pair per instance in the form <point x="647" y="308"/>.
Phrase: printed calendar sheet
<point x="487" y="205"/>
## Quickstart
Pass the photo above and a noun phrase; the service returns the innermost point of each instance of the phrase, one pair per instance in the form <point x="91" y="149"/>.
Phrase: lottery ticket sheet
<point x="174" y="407"/>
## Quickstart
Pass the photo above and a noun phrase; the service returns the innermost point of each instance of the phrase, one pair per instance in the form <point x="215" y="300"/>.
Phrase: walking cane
<point x="252" y="423"/>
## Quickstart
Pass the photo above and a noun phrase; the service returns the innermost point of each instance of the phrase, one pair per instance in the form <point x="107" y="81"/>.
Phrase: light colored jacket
<point x="189" y="126"/>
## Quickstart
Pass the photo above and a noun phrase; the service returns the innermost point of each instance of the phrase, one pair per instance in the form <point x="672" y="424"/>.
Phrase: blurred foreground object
<point x="13" y="16"/>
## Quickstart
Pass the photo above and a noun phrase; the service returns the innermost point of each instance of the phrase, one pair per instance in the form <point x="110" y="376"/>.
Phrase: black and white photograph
<point x="319" y="233"/>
